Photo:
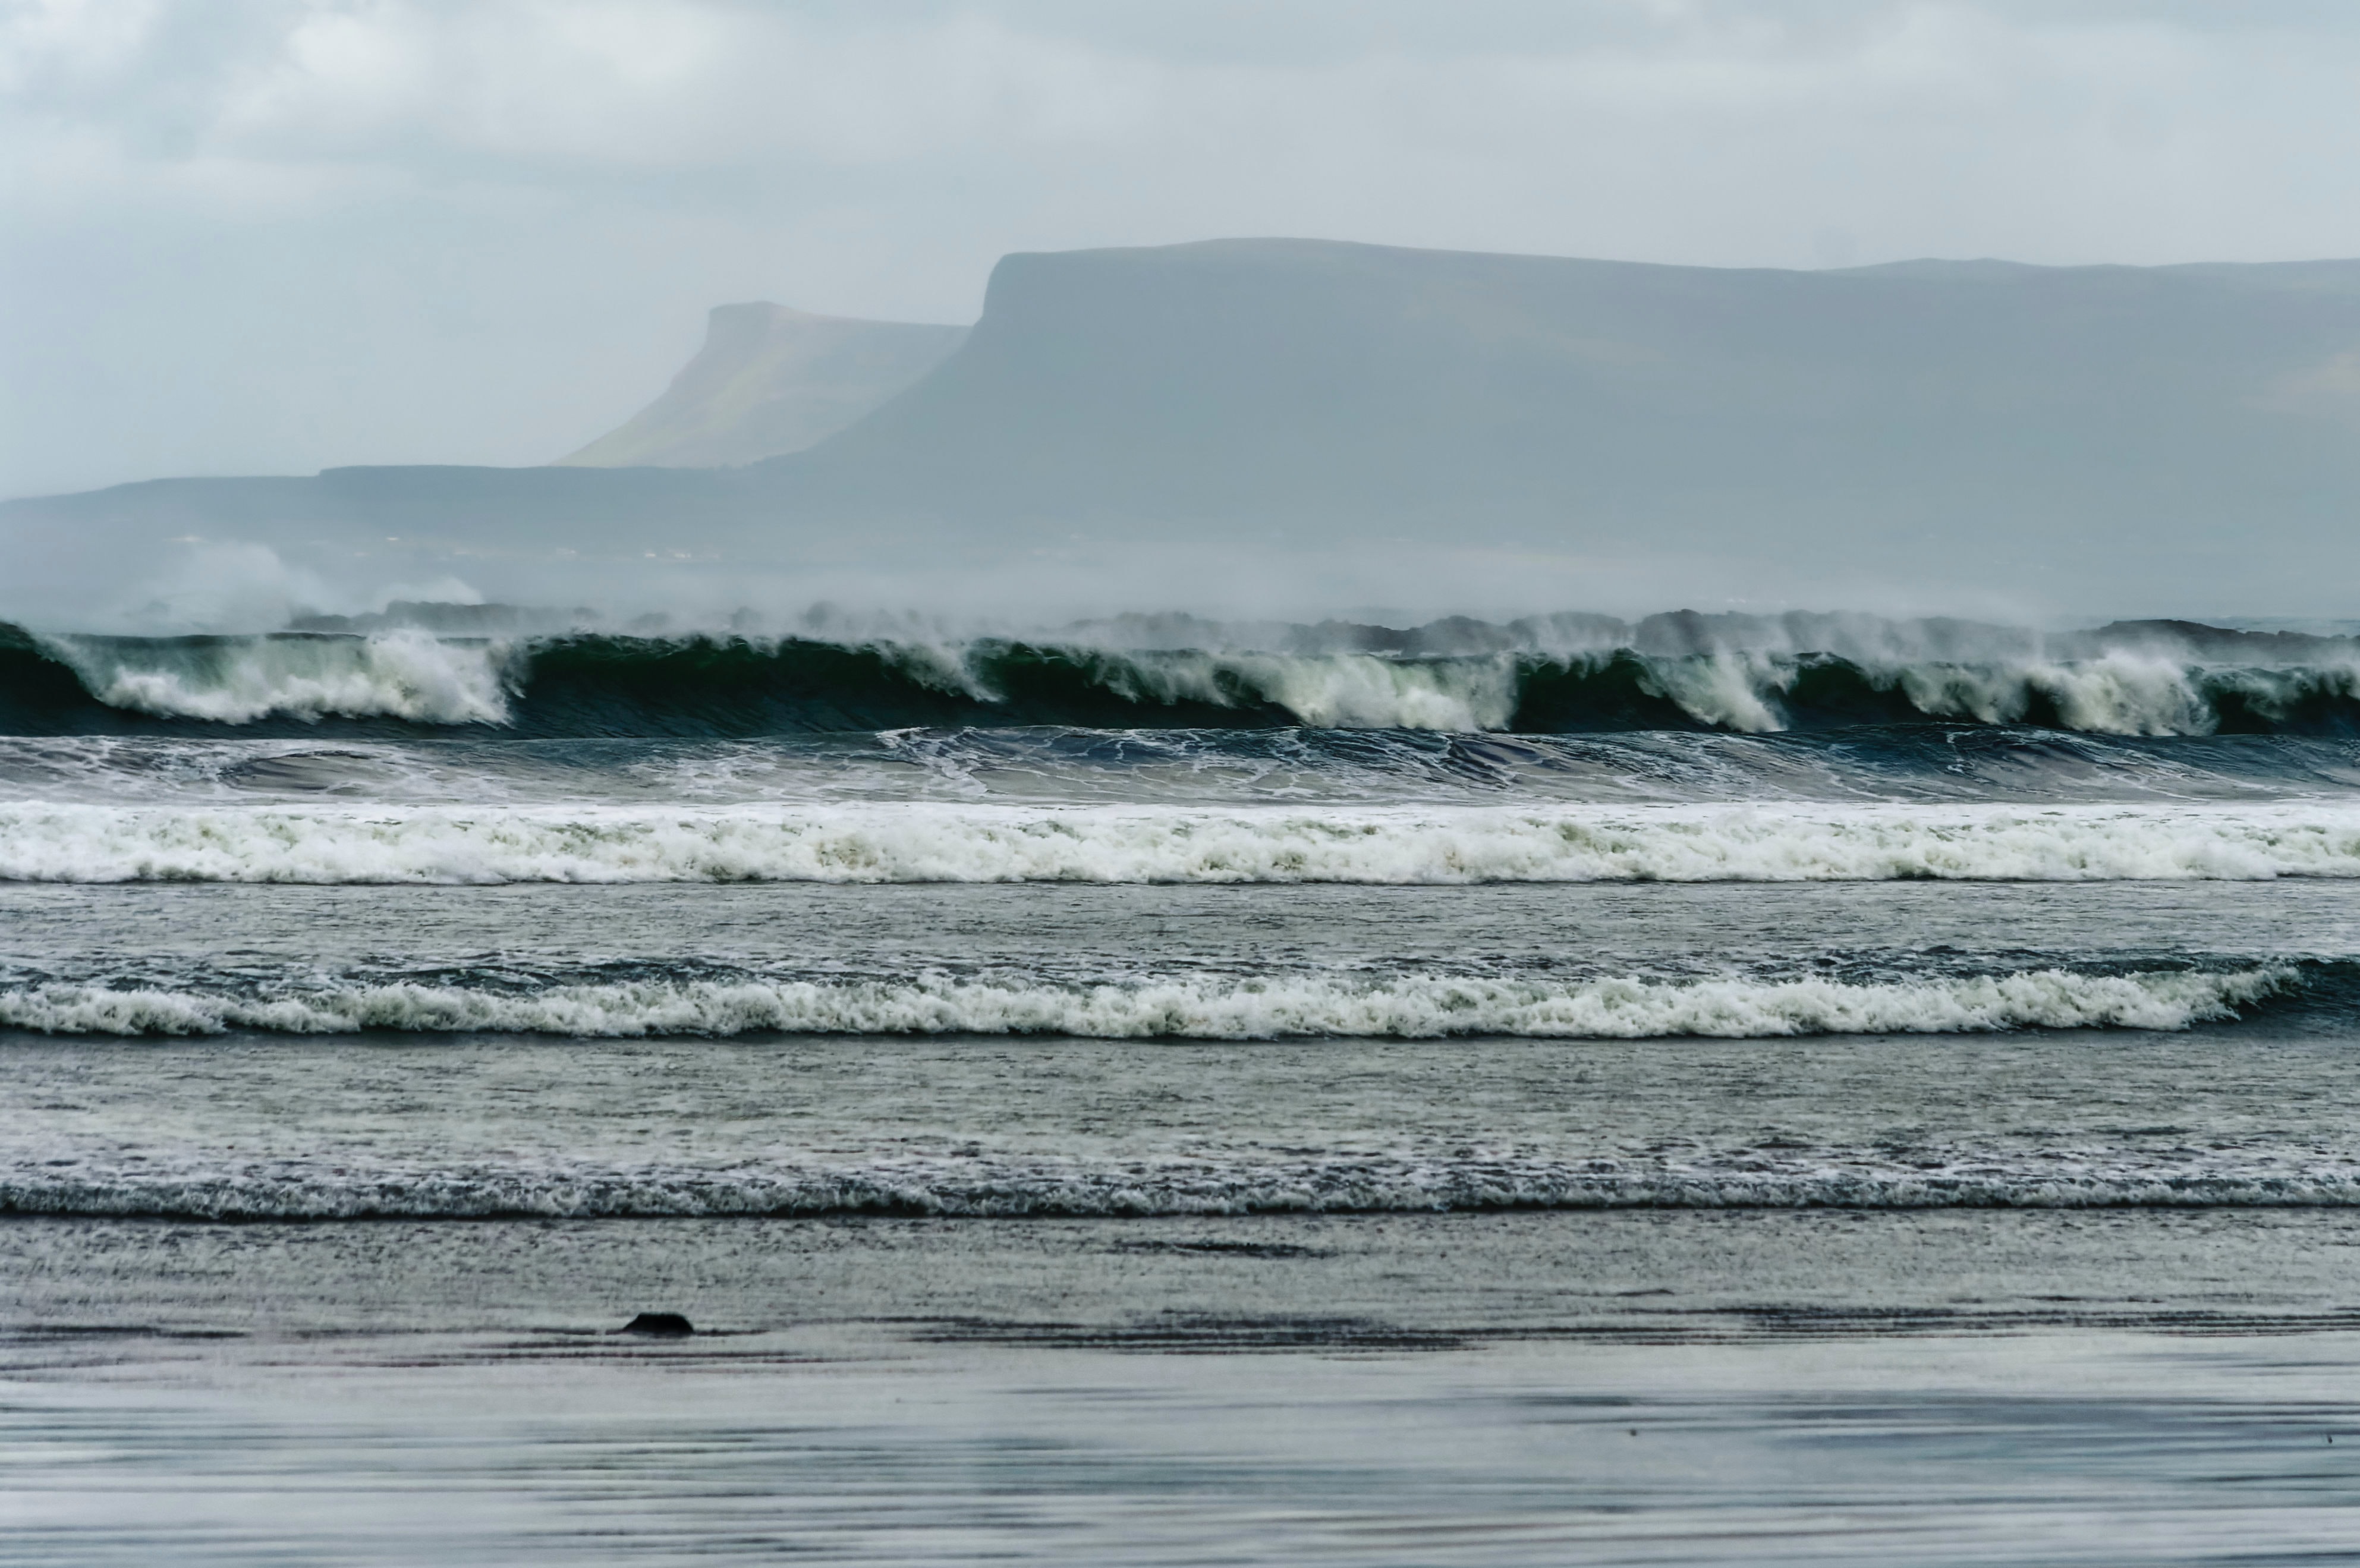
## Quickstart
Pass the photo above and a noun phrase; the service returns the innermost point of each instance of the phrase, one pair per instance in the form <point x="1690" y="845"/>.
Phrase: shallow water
<point x="1629" y="1388"/>
<point x="1874" y="1061"/>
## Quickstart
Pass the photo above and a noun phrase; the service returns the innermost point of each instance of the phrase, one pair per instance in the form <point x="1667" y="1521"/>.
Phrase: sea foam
<point x="928" y="842"/>
<point x="400" y="674"/>
<point x="1195" y="1008"/>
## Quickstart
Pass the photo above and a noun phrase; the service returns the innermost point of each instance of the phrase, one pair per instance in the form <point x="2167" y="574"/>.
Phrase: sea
<point x="1158" y="1090"/>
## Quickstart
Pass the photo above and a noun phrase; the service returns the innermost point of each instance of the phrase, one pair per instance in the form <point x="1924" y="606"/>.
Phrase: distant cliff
<point x="1321" y="386"/>
<point x="770" y="381"/>
<point x="2180" y="440"/>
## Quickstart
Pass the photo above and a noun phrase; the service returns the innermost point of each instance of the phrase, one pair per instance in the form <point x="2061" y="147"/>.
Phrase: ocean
<point x="1706" y="1089"/>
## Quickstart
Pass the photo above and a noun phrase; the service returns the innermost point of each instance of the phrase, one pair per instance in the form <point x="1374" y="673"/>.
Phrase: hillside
<point x="770" y="381"/>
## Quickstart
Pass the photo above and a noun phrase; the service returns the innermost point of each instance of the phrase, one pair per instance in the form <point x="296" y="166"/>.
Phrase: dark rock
<point x="663" y="1325"/>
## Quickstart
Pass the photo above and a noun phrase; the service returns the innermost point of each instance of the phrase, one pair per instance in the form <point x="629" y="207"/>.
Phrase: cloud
<point x="535" y="89"/>
<point x="622" y="85"/>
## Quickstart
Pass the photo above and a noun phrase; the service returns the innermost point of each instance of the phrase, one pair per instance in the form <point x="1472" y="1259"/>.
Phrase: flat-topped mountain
<point x="770" y="381"/>
<point x="1319" y="386"/>
<point x="2121" y="439"/>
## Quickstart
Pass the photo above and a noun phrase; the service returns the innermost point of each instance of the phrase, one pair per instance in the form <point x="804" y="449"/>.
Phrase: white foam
<point x="1730" y="690"/>
<point x="1339" y="691"/>
<point x="926" y="842"/>
<point x="2118" y="694"/>
<point x="398" y="674"/>
<point x="1416" y="1007"/>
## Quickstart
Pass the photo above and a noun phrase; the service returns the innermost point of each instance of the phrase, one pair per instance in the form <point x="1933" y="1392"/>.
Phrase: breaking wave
<point x="403" y="674"/>
<point x="1195" y="1008"/>
<point x="2134" y="682"/>
<point x="925" y="841"/>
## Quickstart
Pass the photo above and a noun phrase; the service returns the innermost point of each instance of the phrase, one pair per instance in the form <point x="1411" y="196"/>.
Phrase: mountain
<point x="770" y="381"/>
<point x="1321" y="384"/>
<point x="1356" y="420"/>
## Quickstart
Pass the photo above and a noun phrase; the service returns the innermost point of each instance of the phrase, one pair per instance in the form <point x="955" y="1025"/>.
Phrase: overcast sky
<point x="274" y="235"/>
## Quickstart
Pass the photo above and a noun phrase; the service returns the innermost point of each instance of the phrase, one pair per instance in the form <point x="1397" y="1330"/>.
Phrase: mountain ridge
<point x="2148" y="439"/>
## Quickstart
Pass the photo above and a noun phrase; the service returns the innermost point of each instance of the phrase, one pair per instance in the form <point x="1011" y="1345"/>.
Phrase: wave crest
<point x="398" y="674"/>
<point x="1275" y="1008"/>
<point x="593" y="684"/>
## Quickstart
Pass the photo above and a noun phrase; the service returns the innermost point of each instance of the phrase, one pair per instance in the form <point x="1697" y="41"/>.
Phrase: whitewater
<point x="1420" y="1007"/>
<point x="1556" y="675"/>
<point x="924" y="842"/>
<point x="854" y="866"/>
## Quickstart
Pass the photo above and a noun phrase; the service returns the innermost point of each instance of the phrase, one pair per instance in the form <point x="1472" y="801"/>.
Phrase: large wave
<point x="922" y="841"/>
<point x="2134" y="682"/>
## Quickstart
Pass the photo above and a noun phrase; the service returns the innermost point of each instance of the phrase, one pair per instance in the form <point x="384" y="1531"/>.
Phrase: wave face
<point x="1572" y="676"/>
<point x="923" y="842"/>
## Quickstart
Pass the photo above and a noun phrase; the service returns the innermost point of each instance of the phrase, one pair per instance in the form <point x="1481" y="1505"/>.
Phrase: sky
<point x="270" y="236"/>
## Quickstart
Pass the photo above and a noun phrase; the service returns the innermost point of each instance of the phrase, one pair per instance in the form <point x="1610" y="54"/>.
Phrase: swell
<point x="407" y="682"/>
